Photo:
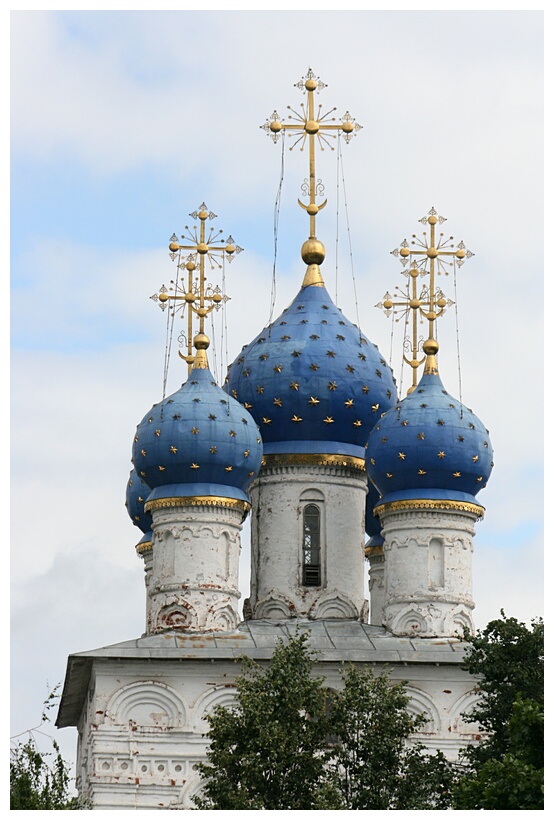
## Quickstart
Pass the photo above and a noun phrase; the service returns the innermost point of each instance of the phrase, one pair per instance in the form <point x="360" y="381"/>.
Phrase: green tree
<point x="374" y="766"/>
<point x="268" y="750"/>
<point x="290" y="743"/>
<point x="40" y="780"/>
<point x="506" y="769"/>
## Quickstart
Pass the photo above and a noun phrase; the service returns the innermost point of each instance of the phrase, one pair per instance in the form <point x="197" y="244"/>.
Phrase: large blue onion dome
<point x="429" y="446"/>
<point x="312" y="381"/>
<point x="198" y="442"/>
<point x="135" y="498"/>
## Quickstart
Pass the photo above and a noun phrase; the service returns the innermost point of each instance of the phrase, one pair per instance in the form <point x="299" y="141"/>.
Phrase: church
<point x="309" y="437"/>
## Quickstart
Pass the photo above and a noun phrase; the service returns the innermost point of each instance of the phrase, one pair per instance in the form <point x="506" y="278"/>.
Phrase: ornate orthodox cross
<point x="196" y="297"/>
<point x="430" y="256"/>
<point x="307" y="124"/>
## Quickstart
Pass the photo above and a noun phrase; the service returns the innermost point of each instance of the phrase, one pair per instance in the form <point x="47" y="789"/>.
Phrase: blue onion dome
<point x="312" y="381"/>
<point x="198" y="441"/>
<point x="372" y="523"/>
<point x="135" y="498"/>
<point x="429" y="446"/>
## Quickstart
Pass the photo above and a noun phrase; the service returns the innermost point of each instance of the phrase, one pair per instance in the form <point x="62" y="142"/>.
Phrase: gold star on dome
<point x="143" y="452"/>
<point x="357" y="423"/>
<point x="212" y="417"/>
<point x="296" y="418"/>
<point x="173" y="449"/>
<point x="194" y="466"/>
<point x="228" y="469"/>
<point x="384" y="439"/>
<point x="246" y="453"/>
<point x="332" y="385"/>
<point x="389" y="475"/>
<point x="404" y="423"/>
<point x="365" y="389"/>
<point x="296" y="353"/>
<point x="349" y="368"/>
<point x="349" y="403"/>
<point x="328" y="420"/>
<point x="195" y="431"/>
<point x="314" y="366"/>
<point x="142" y="473"/>
<point x="263" y="357"/>
<point x="374" y="408"/>
<point x="259" y="440"/>
<point x="294" y="385"/>
<point x="362" y="357"/>
<point x="213" y="449"/>
<point x="421" y="472"/>
<point x="441" y="454"/>
<point x="266" y="420"/>
<point x="421" y="436"/>
<point x="248" y="406"/>
<point x="313" y="401"/>
<point x="456" y="474"/>
<point x="278" y="402"/>
<point x="151" y="419"/>
<point x="278" y="368"/>
<point x="475" y="458"/>
<point x="402" y="456"/>
<point x="480" y="478"/>
<point x="259" y="390"/>
<point x="331" y="354"/>
<point x="161" y="468"/>
<point x="232" y="433"/>
<point x="136" y="438"/>
<point x="372" y="461"/>
<point x="251" y="473"/>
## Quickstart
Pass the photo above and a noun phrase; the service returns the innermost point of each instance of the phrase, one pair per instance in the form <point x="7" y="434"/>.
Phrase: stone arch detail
<point x="457" y="620"/>
<point x="146" y="703"/>
<point x="275" y="607"/>
<point x="311" y="494"/>
<point x="177" y="616"/>
<point x="421" y="703"/>
<point x="222" y="619"/>
<point x="221" y="696"/>
<point x="334" y="606"/>
<point x="456" y="722"/>
<point x="412" y="620"/>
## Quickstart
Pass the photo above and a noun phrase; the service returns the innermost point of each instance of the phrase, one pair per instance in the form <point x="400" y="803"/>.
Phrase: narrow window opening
<point x="311" y="547"/>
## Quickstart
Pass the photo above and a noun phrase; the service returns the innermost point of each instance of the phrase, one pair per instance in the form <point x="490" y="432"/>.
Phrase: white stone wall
<point x="144" y="724"/>
<point x="279" y="496"/>
<point x="428" y="572"/>
<point x="193" y="583"/>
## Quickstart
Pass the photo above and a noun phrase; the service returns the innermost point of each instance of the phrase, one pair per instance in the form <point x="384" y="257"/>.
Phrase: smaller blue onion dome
<point x="429" y="446"/>
<point x="135" y="497"/>
<point x="372" y="523"/>
<point x="198" y="442"/>
<point x="312" y="381"/>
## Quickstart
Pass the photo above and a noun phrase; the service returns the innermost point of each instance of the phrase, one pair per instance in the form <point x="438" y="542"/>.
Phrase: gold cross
<point x="307" y="125"/>
<point x="196" y="297"/>
<point x="431" y="256"/>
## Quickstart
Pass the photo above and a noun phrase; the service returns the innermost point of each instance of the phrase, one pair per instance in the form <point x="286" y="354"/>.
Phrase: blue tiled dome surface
<point x="312" y="381"/>
<point x="429" y="445"/>
<point x="200" y="439"/>
<point x="135" y="497"/>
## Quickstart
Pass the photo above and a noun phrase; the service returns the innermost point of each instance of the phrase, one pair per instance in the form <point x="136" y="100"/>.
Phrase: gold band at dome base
<point x="313" y="459"/>
<point x="429" y="504"/>
<point x="143" y="546"/>
<point x="371" y="552"/>
<point x="197" y="501"/>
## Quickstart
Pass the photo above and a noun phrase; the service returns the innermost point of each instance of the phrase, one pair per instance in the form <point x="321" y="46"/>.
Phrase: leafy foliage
<point x="506" y="770"/>
<point x="268" y="750"/>
<point x="40" y="780"/>
<point x="288" y="743"/>
<point x="373" y="766"/>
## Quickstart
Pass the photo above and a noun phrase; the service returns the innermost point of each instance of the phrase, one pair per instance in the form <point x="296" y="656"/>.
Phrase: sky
<point x="125" y="122"/>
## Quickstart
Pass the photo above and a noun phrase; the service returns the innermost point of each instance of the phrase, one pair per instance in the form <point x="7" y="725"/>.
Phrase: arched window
<point x="311" y="547"/>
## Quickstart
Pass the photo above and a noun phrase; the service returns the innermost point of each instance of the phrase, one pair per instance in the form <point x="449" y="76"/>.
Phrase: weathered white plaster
<point x="428" y="571"/>
<point x="279" y="497"/>
<point x="193" y="582"/>
<point x="376" y="585"/>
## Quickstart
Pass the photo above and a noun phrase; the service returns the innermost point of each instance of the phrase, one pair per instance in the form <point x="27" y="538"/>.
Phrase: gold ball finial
<point x="430" y="347"/>
<point x="190" y="265"/>
<point x="173" y="246"/>
<point x="313" y="252"/>
<point x="201" y="341"/>
<point x="310" y="84"/>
